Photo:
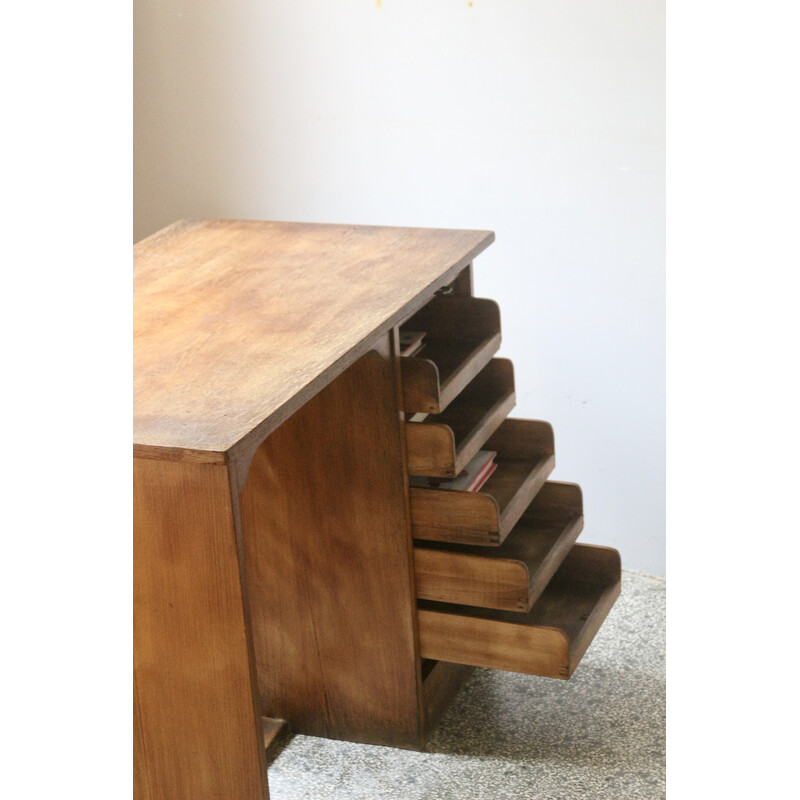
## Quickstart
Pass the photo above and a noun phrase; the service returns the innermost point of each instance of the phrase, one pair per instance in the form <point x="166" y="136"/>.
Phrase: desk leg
<point x="197" y="732"/>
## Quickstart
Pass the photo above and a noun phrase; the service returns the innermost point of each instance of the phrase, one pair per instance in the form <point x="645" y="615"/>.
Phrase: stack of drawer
<point x="500" y="581"/>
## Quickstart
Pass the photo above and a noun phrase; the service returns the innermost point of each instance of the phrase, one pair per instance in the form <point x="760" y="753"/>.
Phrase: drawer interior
<point x="443" y="444"/>
<point x="513" y="575"/>
<point x="525" y="457"/>
<point x="461" y="336"/>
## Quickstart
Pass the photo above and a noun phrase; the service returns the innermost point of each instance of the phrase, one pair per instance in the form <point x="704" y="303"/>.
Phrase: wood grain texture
<point x="197" y="734"/>
<point x="141" y="782"/>
<point x="237" y="323"/>
<point x="443" y="444"/>
<point x="329" y="564"/>
<point x="549" y="640"/>
<point x="431" y="449"/>
<point x="461" y="335"/>
<point x="441" y="683"/>
<point x="525" y="458"/>
<point x="512" y="576"/>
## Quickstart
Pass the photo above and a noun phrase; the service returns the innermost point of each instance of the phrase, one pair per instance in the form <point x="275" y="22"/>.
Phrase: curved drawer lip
<point x="549" y="640"/>
<point x="442" y="446"/>
<point x="512" y="576"/>
<point x="462" y="334"/>
<point x="525" y="459"/>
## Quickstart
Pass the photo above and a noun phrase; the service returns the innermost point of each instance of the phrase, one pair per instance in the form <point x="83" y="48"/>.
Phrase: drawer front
<point x="443" y="445"/>
<point x="549" y="640"/>
<point x="525" y="458"/>
<point x="512" y="576"/>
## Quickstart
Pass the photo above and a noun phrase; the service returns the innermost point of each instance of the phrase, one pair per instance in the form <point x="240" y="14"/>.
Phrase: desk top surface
<point x="238" y="323"/>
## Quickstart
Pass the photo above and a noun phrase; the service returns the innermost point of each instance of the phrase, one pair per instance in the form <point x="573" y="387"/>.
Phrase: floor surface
<point x="599" y="735"/>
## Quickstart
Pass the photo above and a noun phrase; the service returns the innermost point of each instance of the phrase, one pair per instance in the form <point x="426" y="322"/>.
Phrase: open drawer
<point x="514" y="575"/>
<point x="525" y="457"/>
<point x="461" y="336"/>
<point x="443" y="445"/>
<point x="549" y="640"/>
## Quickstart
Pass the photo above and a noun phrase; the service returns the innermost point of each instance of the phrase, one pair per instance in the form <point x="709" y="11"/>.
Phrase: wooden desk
<point x="283" y="567"/>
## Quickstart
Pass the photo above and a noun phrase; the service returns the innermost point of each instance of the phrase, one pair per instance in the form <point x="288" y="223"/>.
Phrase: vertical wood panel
<point x="442" y="683"/>
<point x="141" y="782"/>
<point x="198" y="733"/>
<point x="328" y="554"/>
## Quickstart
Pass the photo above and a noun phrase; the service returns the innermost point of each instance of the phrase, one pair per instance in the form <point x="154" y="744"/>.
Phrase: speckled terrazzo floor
<point x="599" y="735"/>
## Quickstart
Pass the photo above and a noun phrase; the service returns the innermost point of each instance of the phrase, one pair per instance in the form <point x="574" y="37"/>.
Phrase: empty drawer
<point x="549" y="640"/>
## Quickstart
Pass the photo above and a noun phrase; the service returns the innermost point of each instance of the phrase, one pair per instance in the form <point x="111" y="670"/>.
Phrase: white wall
<point x="543" y="121"/>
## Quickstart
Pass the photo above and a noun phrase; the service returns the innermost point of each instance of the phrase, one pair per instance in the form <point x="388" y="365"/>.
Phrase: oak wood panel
<point x="197" y="731"/>
<point x="330" y="565"/>
<point x="444" y="444"/>
<point x="237" y="322"/>
<point x="549" y="640"/>
<point x="511" y="576"/>
<point x="525" y="458"/>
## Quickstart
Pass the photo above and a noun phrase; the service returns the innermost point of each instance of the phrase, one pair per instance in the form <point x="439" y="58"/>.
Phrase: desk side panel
<point x="197" y="733"/>
<point x="328" y="555"/>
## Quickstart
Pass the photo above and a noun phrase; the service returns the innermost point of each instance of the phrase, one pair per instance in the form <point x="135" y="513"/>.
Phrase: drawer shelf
<point x="513" y="576"/>
<point x="461" y="336"/>
<point x="442" y="446"/>
<point x="525" y="458"/>
<point x="549" y="640"/>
